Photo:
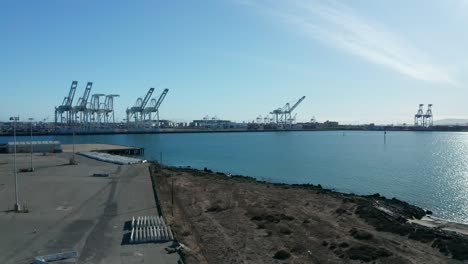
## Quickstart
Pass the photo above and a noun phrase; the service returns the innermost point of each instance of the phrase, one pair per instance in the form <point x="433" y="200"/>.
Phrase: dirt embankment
<point x="239" y="220"/>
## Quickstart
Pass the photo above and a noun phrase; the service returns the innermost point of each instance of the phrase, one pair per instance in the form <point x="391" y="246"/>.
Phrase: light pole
<point x="32" y="168"/>
<point x="17" y="205"/>
<point x="73" y="143"/>
<point x="73" y="159"/>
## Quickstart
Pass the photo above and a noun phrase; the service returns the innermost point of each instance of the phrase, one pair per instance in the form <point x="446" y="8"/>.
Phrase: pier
<point x="107" y="148"/>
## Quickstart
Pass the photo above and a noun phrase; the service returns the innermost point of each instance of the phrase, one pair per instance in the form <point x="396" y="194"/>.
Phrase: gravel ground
<point x="238" y="220"/>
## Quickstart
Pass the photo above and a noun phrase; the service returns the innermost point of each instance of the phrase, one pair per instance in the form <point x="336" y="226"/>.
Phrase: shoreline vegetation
<point x="222" y="218"/>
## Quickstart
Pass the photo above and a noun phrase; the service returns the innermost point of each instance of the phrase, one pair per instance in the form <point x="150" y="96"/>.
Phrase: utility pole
<point x="17" y="205"/>
<point x="172" y="195"/>
<point x="73" y="161"/>
<point x="32" y="168"/>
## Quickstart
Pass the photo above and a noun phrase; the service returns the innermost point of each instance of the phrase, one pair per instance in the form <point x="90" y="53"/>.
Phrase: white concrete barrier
<point x="158" y="233"/>
<point x="171" y="237"/>
<point x="55" y="257"/>
<point x="121" y="160"/>
<point x="156" y="219"/>
<point x="150" y="229"/>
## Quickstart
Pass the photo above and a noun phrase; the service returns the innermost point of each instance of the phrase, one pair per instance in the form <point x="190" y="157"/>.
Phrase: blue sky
<point x="355" y="61"/>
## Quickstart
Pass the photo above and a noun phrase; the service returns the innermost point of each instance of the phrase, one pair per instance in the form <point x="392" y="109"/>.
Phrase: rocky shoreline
<point x="340" y="227"/>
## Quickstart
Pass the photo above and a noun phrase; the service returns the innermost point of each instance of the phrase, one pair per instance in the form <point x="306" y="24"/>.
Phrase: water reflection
<point x="427" y="169"/>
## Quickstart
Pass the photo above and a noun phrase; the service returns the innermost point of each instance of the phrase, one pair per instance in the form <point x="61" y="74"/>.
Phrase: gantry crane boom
<point x="85" y="97"/>
<point x="82" y="101"/>
<point x="283" y="115"/>
<point x="66" y="106"/>
<point x="161" y="99"/>
<point x="71" y="94"/>
<point x="154" y="106"/>
<point x="296" y="104"/>
<point x="146" y="99"/>
<point x="138" y="110"/>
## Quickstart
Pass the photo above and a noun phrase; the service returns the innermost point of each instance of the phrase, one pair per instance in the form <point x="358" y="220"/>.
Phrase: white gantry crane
<point x="79" y="110"/>
<point x="418" y="117"/>
<point x="137" y="111"/>
<point x="109" y="108"/>
<point x="95" y="109"/>
<point x="283" y="115"/>
<point x="421" y="119"/>
<point x="66" y="106"/>
<point x="427" y="118"/>
<point x="88" y="110"/>
<point x="154" y="107"/>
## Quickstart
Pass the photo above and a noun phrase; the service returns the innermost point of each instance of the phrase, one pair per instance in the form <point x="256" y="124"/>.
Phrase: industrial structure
<point x="141" y="115"/>
<point x="154" y="106"/>
<point x="418" y="121"/>
<point x="215" y="123"/>
<point x="427" y="118"/>
<point x="66" y="106"/>
<point x="96" y="111"/>
<point x="283" y="116"/>
<point x="86" y="114"/>
<point x="421" y="119"/>
<point x="79" y="111"/>
<point x="136" y="112"/>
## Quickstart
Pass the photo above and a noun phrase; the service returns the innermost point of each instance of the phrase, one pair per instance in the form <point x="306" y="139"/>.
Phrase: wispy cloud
<point x="336" y="24"/>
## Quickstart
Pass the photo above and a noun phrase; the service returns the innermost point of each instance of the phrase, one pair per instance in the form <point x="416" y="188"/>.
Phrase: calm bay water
<point x="428" y="169"/>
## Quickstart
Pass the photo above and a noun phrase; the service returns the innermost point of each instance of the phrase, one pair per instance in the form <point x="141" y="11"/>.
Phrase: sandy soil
<point x="441" y="224"/>
<point x="238" y="220"/>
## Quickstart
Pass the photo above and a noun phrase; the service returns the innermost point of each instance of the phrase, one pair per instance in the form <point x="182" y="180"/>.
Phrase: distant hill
<point x="452" y="121"/>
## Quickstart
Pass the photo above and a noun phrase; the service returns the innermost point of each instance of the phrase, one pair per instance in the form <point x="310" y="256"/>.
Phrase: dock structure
<point x="31" y="146"/>
<point x="106" y="148"/>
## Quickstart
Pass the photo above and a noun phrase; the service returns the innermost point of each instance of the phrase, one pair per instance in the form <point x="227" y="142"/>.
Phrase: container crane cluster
<point x="422" y="119"/>
<point x="96" y="111"/>
<point x="141" y="114"/>
<point x="283" y="116"/>
<point x="86" y="113"/>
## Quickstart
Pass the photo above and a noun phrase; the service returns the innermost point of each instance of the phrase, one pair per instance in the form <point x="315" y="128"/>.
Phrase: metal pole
<point x="32" y="169"/>
<point x="73" y="143"/>
<point x="172" y="197"/>
<point x="17" y="205"/>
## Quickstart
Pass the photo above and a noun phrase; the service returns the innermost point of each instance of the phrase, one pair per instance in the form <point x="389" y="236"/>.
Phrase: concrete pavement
<point x="71" y="210"/>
